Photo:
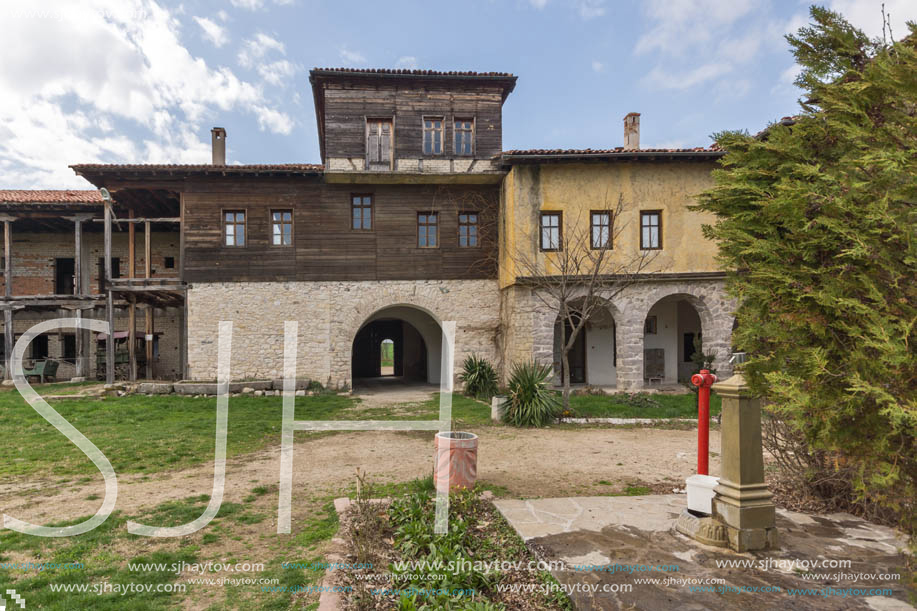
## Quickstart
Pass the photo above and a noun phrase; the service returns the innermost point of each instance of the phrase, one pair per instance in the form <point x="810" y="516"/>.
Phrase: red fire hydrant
<point x="703" y="380"/>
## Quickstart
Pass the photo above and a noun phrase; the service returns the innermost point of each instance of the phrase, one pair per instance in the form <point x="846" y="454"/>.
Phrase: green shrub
<point x="531" y="401"/>
<point x="479" y="377"/>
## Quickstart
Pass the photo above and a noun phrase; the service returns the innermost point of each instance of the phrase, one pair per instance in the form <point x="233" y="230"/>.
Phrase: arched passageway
<point x="593" y="357"/>
<point x="412" y="338"/>
<point x="672" y="331"/>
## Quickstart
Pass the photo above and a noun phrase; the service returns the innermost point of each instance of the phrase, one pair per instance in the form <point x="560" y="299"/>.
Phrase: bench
<point x="42" y="370"/>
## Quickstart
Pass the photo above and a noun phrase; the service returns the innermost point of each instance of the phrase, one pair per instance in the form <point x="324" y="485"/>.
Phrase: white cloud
<point x="213" y="32"/>
<point x="273" y="120"/>
<point x="678" y="23"/>
<point x="588" y="9"/>
<point x="539" y="4"/>
<point x="352" y="58"/>
<point x="277" y="72"/>
<point x="252" y="5"/>
<point x="408" y="61"/>
<point x="223" y="15"/>
<point x="597" y="66"/>
<point x="109" y="81"/>
<point x="254" y="49"/>
<point x="867" y="15"/>
<point x="659" y="78"/>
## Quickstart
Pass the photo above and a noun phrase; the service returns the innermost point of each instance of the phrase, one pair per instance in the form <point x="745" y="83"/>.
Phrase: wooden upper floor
<point x="410" y="121"/>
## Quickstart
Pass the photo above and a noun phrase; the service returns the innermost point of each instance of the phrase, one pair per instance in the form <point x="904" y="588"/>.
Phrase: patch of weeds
<point x="320" y="528"/>
<point x="637" y="491"/>
<point x="93" y="497"/>
<point x="210" y="538"/>
<point x="603" y="482"/>
<point x="250" y="518"/>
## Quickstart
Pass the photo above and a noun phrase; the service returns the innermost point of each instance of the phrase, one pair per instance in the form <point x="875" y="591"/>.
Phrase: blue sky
<point x="139" y="81"/>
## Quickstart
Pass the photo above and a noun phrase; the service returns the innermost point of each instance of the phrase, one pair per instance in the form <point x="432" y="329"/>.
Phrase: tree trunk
<point x="566" y="359"/>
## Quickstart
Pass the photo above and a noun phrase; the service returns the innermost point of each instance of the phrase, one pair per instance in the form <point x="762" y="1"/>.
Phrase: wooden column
<point x="78" y="290"/>
<point x="8" y="311"/>
<point x="110" y="342"/>
<point x="132" y="311"/>
<point x="149" y="309"/>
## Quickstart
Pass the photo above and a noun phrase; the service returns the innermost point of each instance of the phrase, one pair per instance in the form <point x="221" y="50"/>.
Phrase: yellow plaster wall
<point x="576" y="189"/>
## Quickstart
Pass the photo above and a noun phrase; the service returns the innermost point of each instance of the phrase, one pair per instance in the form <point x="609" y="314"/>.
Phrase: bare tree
<point x="578" y="272"/>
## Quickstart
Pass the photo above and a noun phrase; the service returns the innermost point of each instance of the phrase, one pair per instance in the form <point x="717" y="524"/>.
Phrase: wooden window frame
<point x="372" y="213"/>
<point x="560" y="230"/>
<point x="436" y="224"/>
<point x="651" y="325"/>
<point x="644" y="213"/>
<point x="476" y="225"/>
<point x="423" y="135"/>
<point x="472" y="131"/>
<point x="223" y="223"/>
<point x="592" y="227"/>
<point x="271" y="223"/>
<point x="391" y="145"/>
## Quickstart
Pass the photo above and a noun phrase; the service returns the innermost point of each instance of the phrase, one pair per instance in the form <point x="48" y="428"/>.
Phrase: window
<point x="600" y="229"/>
<point x="464" y="136"/>
<point x="379" y="135"/>
<point x="427" y="229"/>
<point x="234" y="228"/>
<point x="63" y="276"/>
<point x="40" y="347"/>
<point x="550" y="231"/>
<point x="651" y="230"/>
<point x="468" y="229"/>
<point x="115" y="271"/>
<point x="362" y="212"/>
<point x="68" y="350"/>
<point x="433" y="135"/>
<point x="169" y="262"/>
<point x="282" y="227"/>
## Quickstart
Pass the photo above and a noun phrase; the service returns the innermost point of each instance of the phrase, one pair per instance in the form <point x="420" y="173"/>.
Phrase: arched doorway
<point x="672" y="331"/>
<point x="593" y="357"/>
<point x="398" y="342"/>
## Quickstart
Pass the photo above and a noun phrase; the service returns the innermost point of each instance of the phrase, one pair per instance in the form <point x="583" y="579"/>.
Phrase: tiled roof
<point x="71" y="196"/>
<point x="290" y="168"/>
<point x="414" y="72"/>
<point x="615" y="151"/>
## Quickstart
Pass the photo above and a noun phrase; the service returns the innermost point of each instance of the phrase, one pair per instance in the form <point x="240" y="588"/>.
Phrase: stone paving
<point x="597" y="533"/>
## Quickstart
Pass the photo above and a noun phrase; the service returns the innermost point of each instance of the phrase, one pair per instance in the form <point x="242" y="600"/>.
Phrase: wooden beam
<point x="78" y="290"/>
<point x="110" y="341"/>
<point x="8" y="292"/>
<point x="148" y="269"/>
<point x="164" y="219"/>
<point x="132" y="309"/>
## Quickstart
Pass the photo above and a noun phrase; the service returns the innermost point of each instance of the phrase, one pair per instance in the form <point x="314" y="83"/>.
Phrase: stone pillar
<point x="743" y="502"/>
<point x="630" y="352"/>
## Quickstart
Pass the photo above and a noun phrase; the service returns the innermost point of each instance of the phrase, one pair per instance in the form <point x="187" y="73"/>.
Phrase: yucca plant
<point x="531" y="401"/>
<point x="479" y="377"/>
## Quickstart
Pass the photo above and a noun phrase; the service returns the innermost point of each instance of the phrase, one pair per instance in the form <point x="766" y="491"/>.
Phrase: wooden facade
<point x="346" y="102"/>
<point x="325" y="245"/>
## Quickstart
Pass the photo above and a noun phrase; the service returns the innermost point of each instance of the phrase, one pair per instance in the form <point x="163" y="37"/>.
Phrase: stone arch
<point x="599" y="346"/>
<point x="345" y="328"/>
<point x="713" y="307"/>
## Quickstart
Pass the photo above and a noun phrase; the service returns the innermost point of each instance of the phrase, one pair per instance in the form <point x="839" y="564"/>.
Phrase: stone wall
<point x="529" y="324"/>
<point x="329" y="316"/>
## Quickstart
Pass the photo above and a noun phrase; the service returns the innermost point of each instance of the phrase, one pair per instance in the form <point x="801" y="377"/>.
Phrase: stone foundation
<point x="329" y="316"/>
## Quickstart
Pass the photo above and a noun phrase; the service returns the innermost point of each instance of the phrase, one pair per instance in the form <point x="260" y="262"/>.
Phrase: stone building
<point x="410" y="220"/>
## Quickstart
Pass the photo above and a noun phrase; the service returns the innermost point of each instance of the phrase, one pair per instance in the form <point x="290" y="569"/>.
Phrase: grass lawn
<point x="639" y="406"/>
<point x="149" y="434"/>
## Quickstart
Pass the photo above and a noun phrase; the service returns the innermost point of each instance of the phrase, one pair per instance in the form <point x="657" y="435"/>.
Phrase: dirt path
<point x="528" y="463"/>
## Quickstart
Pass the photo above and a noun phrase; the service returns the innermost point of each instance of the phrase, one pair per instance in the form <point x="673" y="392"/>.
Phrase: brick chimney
<point x="218" y="135"/>
<point x="632" y="131"/>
